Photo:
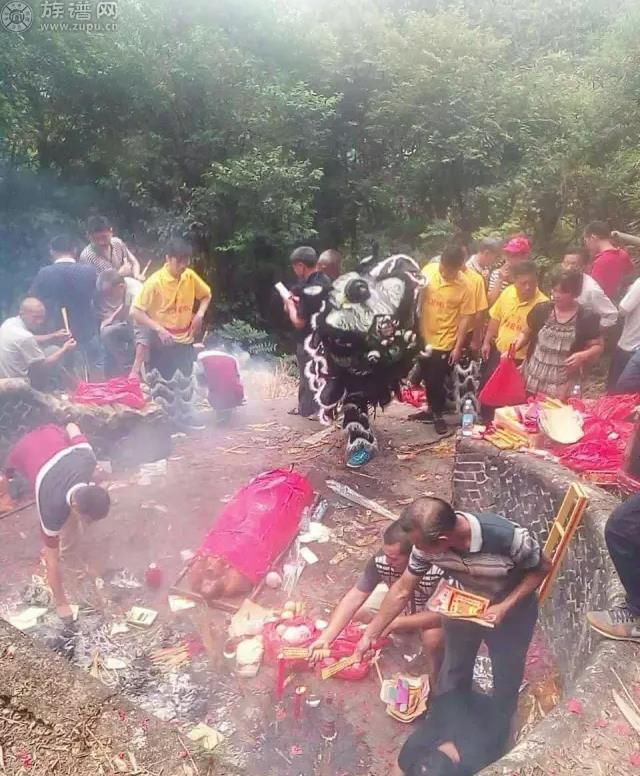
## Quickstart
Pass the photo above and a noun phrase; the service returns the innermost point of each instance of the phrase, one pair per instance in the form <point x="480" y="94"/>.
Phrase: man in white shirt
<point x="21" y="353"/>
<point x="123" y="341"/>
<point x="592" y="297"/>
<point x="624" y="374"/>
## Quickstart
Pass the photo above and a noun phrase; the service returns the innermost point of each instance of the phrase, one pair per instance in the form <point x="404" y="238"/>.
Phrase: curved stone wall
<point x="529" y="491"/>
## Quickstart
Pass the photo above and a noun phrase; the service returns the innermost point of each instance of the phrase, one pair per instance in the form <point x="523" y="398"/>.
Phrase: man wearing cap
<point x="517" y="250"/>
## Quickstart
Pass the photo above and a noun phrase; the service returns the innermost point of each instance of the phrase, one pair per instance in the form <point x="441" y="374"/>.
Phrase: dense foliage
<point x="260" y="124"/>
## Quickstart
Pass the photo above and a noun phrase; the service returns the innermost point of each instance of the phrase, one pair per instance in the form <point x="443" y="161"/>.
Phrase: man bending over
<point x="487" y="555"/>
<point x="59" y="463"/>
<point x="387" y="566"/>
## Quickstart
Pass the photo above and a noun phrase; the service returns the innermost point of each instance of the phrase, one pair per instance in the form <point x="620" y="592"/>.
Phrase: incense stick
<point x="65" y="319"/>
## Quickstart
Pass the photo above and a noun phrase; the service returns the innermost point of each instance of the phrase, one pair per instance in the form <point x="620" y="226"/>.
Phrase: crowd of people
<point x="95" y="313"/>
<point x="101" y="307"/>
<point x="489" y="305"/>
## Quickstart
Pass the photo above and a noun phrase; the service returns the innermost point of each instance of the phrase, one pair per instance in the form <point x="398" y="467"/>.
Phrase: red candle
<point x="297" y="702"/>
<point x="153" y="575"/>
<point x="282" y="668"/>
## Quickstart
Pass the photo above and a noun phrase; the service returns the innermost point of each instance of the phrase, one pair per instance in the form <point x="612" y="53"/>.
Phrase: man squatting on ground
<point x="386" y="567"/>
<point x="58" y="463"/>
<point x="487" y="555"/>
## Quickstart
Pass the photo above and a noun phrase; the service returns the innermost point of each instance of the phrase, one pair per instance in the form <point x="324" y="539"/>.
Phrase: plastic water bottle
<point x="468" y="418"/>
<point x="576" y="391"/>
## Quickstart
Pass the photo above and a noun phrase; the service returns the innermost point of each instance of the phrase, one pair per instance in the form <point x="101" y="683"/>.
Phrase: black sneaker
<point x="440" y="425"/>
<point x="425" y="416"/>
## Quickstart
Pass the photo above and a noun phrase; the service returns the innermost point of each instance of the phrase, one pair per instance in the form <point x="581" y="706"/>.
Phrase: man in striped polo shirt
<point x="386" y="567"/>
<point x="485" y="554"/>
<point x="58" y="463"/>
<point x="106" y="252"/>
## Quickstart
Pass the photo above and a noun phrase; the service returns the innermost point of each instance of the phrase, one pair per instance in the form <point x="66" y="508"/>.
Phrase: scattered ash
<point x="175" y="696"/>
<point x="36" y="593"/>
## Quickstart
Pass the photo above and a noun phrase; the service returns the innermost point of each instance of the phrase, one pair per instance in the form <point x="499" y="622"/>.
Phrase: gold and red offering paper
<point x="451" y="602"/>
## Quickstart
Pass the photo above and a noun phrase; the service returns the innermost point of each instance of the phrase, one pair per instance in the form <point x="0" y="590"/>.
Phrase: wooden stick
<point x="626" y="692"/>
<point x="16" y="510"/>
<point x="65" y="318"/>
<point x="375" y="662"/>
<point x="143" y="274"/>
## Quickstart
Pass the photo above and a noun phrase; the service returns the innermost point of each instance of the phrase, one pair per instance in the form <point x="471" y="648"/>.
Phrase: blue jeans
<point x="629" y="379"/>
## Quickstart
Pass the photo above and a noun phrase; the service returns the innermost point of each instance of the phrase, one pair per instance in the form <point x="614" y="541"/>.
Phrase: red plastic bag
<point x="505" y="387"/>
<point x="259" y="522"/>
<point x="119" y="390"/>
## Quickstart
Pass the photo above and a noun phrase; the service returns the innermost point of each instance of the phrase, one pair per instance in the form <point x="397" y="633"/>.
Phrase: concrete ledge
<point x="529" y="491"/>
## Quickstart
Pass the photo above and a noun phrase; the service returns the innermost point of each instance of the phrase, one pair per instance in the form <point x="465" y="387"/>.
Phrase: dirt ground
<point x="154" y="518"/>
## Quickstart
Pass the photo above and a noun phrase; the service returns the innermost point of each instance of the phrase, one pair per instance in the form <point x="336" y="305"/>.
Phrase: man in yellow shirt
<point x="164" y="312"/>
<point x="481" y="305"/>
<point x="445" y="317"/>
<point x="507" y="318"/>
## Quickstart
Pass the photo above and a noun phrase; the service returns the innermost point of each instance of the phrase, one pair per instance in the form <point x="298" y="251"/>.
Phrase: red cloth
<point x="609" y="269"/>
<point x="38" y="447"/>
<point x="416" y="397"/>
<point x="223" y="379"/>
<point x="119" y="390"/>
<point x="607" y="431"/>
<point x="259" y="522"/>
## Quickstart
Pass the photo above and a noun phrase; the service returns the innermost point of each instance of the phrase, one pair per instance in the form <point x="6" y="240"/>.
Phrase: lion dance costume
<point x="363" y="343"/>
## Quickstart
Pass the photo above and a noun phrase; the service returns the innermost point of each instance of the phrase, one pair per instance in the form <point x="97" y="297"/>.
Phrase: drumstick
<point x="143" y="274"/>
<point x="65" y="319"/>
